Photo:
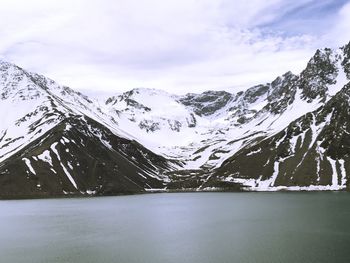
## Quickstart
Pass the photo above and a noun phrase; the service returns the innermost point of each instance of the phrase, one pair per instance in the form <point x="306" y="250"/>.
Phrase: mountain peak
<point x="16" y="83"/>
<point x="322" y="71"/>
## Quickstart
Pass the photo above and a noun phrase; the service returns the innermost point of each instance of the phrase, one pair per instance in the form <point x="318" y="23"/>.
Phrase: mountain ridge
<point x="207" y="141"/>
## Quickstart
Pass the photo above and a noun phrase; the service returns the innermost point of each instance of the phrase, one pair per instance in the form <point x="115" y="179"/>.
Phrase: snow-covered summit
<point x="218" y="121"/>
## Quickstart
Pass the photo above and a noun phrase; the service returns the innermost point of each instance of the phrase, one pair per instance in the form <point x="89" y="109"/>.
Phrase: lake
<point x="178" y="227"/>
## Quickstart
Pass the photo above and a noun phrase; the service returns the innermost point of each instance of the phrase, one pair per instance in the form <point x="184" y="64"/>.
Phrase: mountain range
<point x="290" y="134"/>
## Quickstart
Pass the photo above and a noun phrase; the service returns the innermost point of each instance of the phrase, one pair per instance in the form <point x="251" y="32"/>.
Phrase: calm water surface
<point x="183" y="227"/>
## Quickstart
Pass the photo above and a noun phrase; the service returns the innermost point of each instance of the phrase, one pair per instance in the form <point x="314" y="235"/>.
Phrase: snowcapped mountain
<point x="287" y="134"/>
<point x="54" y="140"/>
<point x="205" y="129"/>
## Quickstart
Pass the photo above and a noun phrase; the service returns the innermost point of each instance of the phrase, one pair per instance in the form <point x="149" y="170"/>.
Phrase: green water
<point x="183" y="227"/>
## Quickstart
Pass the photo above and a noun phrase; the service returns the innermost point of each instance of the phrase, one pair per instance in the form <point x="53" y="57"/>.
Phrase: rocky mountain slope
<point x="312" y="152"/>
<point x="288" y="134"/>
<point x="55" y="141"/>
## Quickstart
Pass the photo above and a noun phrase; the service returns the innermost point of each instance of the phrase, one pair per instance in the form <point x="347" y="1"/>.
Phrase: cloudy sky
<point x="176" y="45"/>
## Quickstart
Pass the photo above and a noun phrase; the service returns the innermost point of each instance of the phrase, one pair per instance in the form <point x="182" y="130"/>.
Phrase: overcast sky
<point x="176" y="45"/>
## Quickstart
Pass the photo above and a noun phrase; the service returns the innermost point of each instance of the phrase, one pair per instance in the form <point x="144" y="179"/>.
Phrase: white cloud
<point x="340" y="33"/>
<point x="179" y="46"/>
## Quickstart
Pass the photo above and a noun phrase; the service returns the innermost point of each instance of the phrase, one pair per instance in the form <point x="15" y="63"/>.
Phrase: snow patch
<point x="29" y="165"/>
<point x="46" y="157"/>
<point x="254" y="152"/>
<point x="70" y="177"/>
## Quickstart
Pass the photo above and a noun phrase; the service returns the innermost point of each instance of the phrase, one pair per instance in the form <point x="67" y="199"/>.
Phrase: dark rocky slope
<point x="313" y="150"/>
<point x="80" y="157"/>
